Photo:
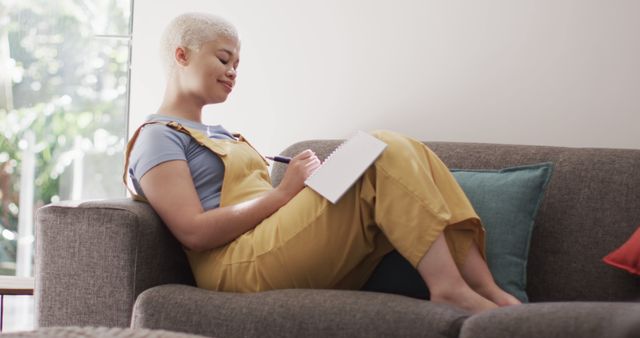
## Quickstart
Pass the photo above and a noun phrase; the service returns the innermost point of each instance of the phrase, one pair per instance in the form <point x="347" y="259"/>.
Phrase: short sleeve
<point x="156" y="144"/>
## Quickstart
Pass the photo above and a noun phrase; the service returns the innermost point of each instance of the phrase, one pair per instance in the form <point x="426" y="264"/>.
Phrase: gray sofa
<point x="113" y="263"/>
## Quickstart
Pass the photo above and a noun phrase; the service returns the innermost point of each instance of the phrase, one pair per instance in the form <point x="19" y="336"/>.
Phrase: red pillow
<point x="627" y="256"/>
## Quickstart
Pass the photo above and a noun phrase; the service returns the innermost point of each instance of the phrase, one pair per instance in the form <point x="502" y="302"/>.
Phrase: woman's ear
<point x="182" y="56"/>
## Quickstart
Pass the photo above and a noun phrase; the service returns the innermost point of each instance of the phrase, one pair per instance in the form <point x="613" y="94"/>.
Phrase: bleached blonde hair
<point x="191" y="30"/>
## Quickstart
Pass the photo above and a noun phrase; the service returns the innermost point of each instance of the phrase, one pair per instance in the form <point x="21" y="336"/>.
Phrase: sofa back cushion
<point x="591" y="206"/>
<point x="507" y="202"/>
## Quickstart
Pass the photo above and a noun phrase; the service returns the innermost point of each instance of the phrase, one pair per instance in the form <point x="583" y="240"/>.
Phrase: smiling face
<point x="209" y="73"/>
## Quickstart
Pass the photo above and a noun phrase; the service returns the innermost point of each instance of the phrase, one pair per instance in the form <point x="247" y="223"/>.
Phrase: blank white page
<point x="345" y="165"/>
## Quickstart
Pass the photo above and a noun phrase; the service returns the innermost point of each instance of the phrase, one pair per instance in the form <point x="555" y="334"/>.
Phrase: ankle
<point x="452" y="292"/>
<point x="448" y="289"/>
<point x="486" y="288"/>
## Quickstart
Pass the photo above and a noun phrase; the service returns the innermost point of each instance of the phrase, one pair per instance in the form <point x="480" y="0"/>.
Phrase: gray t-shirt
<point x="158" y="143"/>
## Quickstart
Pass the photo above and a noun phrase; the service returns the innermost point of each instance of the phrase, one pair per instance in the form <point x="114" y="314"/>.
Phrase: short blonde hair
<point x="191" y="30"/>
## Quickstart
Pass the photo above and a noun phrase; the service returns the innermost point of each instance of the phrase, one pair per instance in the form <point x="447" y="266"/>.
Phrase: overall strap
<point x="127" y="154"/>
<point x="208" y="143"/>
<point x="243" y="139"/>
<point x="197" y="136"/>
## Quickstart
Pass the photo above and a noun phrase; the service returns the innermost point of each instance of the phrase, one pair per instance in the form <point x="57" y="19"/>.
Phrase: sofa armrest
<point x="94" y="258"/>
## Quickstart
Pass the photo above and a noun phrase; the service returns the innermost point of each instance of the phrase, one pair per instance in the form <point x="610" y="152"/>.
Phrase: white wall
<point x="546" y="72"/>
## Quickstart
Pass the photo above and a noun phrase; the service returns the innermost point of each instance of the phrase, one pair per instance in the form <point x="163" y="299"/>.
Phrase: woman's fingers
<point x="309" y="161"/>
<point x="305" y="155"/>
<point x="314" y="163"/>
<point x="299" y="169"/>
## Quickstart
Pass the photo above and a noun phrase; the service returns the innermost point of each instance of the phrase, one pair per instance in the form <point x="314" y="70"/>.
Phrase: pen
<point x="281" y="159"/>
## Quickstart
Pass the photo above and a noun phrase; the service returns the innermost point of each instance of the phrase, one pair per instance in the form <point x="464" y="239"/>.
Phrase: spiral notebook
<point x="345" y="165"/>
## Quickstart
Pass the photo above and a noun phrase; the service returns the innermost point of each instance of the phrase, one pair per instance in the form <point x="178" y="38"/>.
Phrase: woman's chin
<point x="218" y="100"/>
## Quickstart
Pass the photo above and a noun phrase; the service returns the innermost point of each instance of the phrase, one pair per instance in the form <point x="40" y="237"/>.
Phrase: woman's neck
<point x="179" y="111"/>
<point x="180" y="106"/>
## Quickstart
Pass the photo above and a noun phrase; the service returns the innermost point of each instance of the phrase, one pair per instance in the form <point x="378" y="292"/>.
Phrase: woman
<point x="213" y="191"/>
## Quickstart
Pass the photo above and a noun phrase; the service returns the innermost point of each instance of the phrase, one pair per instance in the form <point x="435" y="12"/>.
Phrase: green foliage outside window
<point x="63" y="95"/>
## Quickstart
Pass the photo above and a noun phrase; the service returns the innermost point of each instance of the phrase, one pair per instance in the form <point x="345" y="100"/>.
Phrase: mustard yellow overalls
<point x="405" y="200"/>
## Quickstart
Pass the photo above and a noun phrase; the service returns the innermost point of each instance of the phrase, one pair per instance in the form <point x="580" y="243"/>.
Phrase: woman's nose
<point x="232" y="73"/>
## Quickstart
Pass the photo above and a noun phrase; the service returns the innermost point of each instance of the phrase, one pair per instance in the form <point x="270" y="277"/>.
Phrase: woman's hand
<point x="298" y="170"/>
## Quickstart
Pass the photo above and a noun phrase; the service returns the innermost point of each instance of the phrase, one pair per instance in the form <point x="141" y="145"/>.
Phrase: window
<point x="64" y="80"/>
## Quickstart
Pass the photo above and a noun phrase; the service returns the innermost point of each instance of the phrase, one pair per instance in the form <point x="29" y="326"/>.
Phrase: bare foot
<point x="464" y="298"/>
<point x="498" y="296"/>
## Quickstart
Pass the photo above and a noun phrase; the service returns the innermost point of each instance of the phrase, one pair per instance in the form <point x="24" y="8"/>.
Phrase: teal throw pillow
<point x="507" y="201"/>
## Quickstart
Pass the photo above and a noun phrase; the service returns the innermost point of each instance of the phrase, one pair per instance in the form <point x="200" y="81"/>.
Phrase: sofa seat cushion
<point x="560" y="319"/>
<point x="293" y="313"/>
<point x="95" y="332"/>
